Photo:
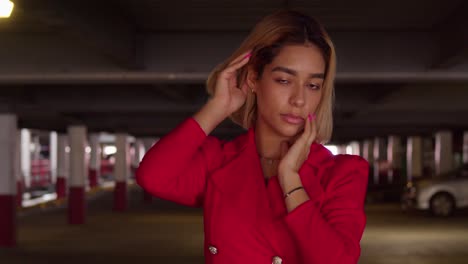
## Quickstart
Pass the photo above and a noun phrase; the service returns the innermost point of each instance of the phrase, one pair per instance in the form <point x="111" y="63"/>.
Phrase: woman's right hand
<point x="227" y="93"/>
<point x="227" y="96"/>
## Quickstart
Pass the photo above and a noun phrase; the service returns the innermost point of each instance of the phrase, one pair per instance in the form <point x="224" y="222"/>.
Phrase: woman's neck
<point x="267" y="142"/>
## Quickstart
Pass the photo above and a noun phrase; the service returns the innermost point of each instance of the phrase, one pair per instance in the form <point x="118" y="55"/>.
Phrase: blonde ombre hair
<point x="266" y="40"/>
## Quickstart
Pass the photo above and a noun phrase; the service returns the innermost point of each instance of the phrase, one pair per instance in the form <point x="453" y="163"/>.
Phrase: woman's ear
<point x="251" y="79"/>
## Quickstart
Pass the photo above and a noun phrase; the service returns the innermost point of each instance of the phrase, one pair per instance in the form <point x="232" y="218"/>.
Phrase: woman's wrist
<point x="210" y="116"/>
<point x="289" y="181"/>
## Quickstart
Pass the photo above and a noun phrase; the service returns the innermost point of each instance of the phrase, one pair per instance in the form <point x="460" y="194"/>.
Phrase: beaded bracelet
<point x="291" y="191"/>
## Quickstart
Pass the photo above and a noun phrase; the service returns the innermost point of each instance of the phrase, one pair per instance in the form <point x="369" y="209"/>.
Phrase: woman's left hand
<point x="293" y="157"/>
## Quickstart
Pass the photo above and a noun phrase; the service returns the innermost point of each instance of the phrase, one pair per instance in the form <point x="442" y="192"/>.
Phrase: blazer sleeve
<point x="331" y="232"/>
<point x="176" y="167"/>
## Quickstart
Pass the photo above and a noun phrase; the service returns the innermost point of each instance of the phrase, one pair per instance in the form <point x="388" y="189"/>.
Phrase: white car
<point x="442" y="194"/>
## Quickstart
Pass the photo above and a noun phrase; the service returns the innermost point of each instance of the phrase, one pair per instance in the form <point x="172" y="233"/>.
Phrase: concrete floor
<point x="163" y="233"/>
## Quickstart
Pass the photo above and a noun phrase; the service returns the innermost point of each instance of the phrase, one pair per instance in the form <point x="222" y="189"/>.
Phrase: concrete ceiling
<point x="140" y="66"/>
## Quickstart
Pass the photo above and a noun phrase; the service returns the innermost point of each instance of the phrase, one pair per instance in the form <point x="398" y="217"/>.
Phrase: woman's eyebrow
<point x="294" y="73"/>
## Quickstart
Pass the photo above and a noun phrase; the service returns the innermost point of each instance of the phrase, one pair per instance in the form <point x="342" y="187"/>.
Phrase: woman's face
<point x="290" y="89"/>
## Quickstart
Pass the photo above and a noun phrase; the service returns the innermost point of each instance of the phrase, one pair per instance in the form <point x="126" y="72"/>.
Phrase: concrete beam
<point x="91" y="24"/>
<point x="453" y="39"/>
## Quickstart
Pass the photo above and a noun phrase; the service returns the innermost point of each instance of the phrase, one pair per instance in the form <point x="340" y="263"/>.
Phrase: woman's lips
<point x="292" y="119"/>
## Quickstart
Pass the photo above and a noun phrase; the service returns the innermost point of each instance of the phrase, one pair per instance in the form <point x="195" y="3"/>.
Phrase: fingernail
<point x="309" y="117"/>
<point x="313" y="116"/>
<point x="248" y="55"/>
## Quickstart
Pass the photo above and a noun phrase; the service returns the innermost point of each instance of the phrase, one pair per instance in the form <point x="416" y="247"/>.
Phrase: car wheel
<point x="442" y="204"/>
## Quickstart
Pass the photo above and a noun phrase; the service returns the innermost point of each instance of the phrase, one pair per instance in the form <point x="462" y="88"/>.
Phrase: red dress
<point x="246" y="221"/>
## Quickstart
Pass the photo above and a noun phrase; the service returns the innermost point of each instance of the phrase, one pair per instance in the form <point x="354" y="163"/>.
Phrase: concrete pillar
<point x="395" y="159"/>
<point x="368" y="151"/>
<point x="133" y="158"/>
<point x="428" y="154"/>
<point x="18" y="172"/>
<point x="38" y="175"/>
<point x="26" y="156"/>
<point x="94" y="161"/>
<point x="122" y="172"/>
<point x="368" y="154"/>
<point x="380" y="171"/>
<point x="53" y="156"/>
<point x="443" y="152"/>
<point x="76" y="199"/>
<point x="341" y="149"/>
<point x="36" y="154"/>
<point x="147" y="144"/>
<point x="354" y="146"/>
<point x="465" y="147"/>
<point x="8" y="147"/>
<point x="63" y="167"/>
<point x="138" y="153"/>
<point x="414" y="158"/>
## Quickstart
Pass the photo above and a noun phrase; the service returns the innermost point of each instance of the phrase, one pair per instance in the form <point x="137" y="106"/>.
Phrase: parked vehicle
<point x="440" y="194"/>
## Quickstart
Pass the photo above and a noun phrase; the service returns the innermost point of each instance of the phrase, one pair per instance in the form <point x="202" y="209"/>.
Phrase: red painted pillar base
<point x="120" y="196"/>
<point x="147" y="197"/>
<point x="19" y="193"/>
<point x="7" y="221"/>
<point x="93" y="180"/>
<point x="61" y="187"/>
<point x="76" y="206"/>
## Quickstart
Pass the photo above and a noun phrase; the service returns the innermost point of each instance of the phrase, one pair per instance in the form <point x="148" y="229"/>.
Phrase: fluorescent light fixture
<point x="6" y="7"/>
<point x="110" y="150"/>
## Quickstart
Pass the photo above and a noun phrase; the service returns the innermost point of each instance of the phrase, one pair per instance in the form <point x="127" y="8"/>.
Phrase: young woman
<point x="274" y="194"/>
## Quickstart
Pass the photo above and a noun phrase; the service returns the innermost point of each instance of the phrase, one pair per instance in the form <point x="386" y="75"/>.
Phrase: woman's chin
<point x="290" y="131"/>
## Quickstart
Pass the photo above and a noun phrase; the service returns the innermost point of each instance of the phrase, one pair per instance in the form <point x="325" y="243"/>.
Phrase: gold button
<point x="213" y="250"/>
<point x="277" y="260"/>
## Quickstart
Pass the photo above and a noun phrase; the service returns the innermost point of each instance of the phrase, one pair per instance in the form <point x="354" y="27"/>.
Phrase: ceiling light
<point x="6" y="7"/>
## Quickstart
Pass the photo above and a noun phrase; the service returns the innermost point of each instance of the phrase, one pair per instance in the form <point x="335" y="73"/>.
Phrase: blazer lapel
<point x="240" y="180"/>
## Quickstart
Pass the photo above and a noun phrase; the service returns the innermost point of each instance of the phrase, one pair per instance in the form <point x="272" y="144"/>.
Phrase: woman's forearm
<point x="210" y="116"/>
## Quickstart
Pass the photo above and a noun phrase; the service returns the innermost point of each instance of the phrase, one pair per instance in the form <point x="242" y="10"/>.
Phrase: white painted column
<point x="140" y="150"/>
<point x="443" y="152"/>
<point x="138" y="153"/>
<point x="63" y="168"/>
<point x="395" y="158"/>
<point x="78" y="172"/>
<point x="53" y="156"/>
<point x="414" y="158"/>
<point x="36" y="154"/>
<point x="379" y="160"/>
<point x="147" y="144"/>
<point x="355" y="150"/>
<point x="26" y="156"/>
<point x="94" y="161"/>
<point x="18" y="173"/>
<point x="8" y="166"/>
<point x="122" y="172"/>
<point x="368" y="154"/>
<point x="368" y="151"/>
<point x="341" y="149"/>
<point x="38" y="176"/>
<point x="465" y="147"/>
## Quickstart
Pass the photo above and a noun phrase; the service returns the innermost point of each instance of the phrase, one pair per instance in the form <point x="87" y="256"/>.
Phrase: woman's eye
<point x="314" y="86"/>
<point x="282" y="81"/>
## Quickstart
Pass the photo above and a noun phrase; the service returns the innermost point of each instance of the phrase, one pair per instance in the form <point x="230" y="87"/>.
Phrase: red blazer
<point x="246" y="221"/>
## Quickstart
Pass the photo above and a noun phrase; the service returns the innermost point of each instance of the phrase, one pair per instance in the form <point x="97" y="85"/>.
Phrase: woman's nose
<point x="298" y="97"/>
